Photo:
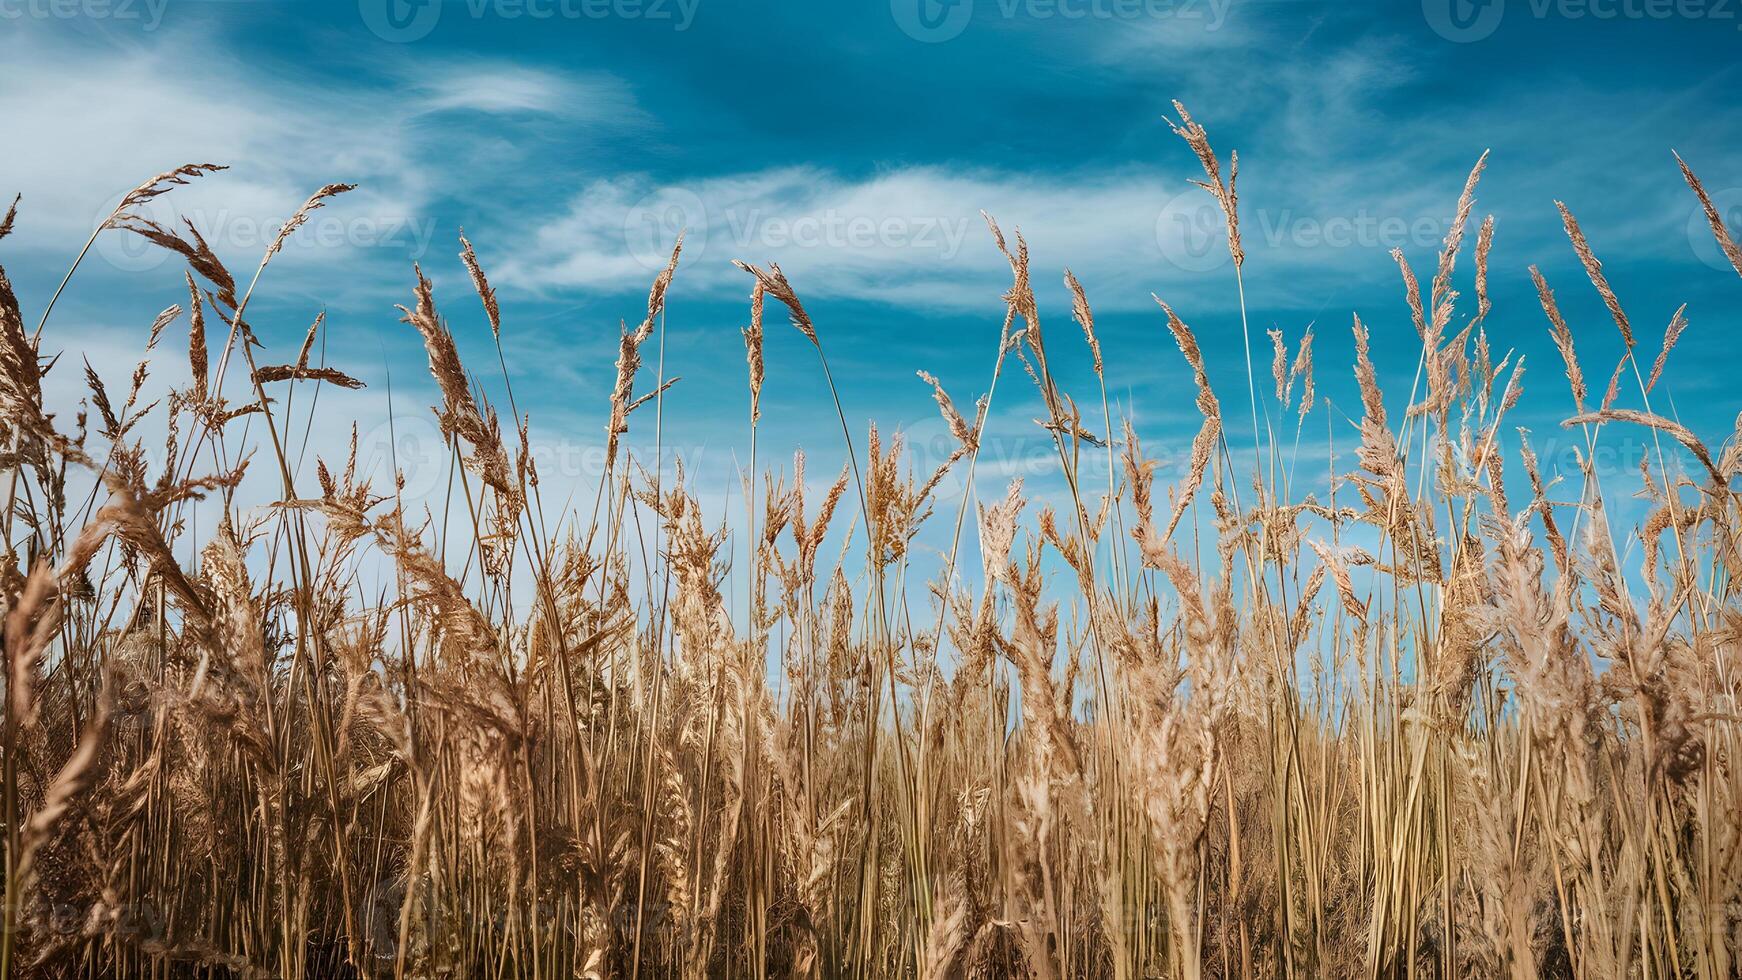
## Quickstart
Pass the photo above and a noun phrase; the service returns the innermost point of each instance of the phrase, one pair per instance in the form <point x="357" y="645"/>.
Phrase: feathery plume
<point x="623" y="399"/>
<point x="1484" y="242"/>
<point x="966" y="439"/>
<point x="20" y="374"/>
<point x="1677" y="324"/>
<point x="1303" y="369"/>
<point x="1563" y="337"/>
<point x="753" y="350"/>
<point x="163" y="320"/>
<point x="1594" y="269"/>
<point x="1720" y="231"/>
<point x="1225" y="194"/>
<point x="482" y="284"/>
<point x="1279" y="366"/>
<point x="1675" y="430"/>
<point x="316" y="201"/>
<point x="1454" y="240"/>
<point x="198" y="360"/>
<point x="458" y="414"/>
<point x="774" y="283"/>
<point x="1204" y="443"/>
<point x="1080" y="310"/>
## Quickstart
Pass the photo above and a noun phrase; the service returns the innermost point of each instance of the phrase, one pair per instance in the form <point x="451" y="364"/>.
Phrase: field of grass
<point x="1431" y="725"/>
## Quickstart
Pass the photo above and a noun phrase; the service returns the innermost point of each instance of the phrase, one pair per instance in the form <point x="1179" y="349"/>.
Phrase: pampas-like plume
<point x="966" y="439"/>
<point x="163" y="320"/>
<point x="291" y="372"/>
<point x="1412" y="293"/>
<point x="161" y="184"/>
<point x="1352" y="604"/>
<point x="20" y="374"/>
<point x="1720" y="231"/>
<point x="1085" y="317"/>
<point x="773" y="282"/>
<point x="1594" y="269"/>
<point x="301" y="371"/>
<point x="1563" y="337"/>
<point x="1303" y="370"/>
<point x="1378" y="449"/>
<point x="753" y="350"/>
<point x="1455" y="237"/>
<point x="1279" y="366"/>
<point x="486" y="293"/>
<point x="459" y="413"/>
<point x="193" y="248"/>
<point x="1226" y="194"/>
<point x="316" y="201"/>
<point x="1675" y="430"/>
<point x="1204" y="443"/>
<point x="198" y="359"/>
<point x="1484" y="242"/>
<point x="1673" y="333"/>
<point x="629" y="357"/>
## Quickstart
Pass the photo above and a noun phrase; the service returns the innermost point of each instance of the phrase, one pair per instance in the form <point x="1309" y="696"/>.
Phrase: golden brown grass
<point x="1430" y="726"/>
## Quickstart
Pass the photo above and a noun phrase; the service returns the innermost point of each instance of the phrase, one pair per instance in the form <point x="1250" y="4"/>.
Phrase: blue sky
<point x="856" y="144"/>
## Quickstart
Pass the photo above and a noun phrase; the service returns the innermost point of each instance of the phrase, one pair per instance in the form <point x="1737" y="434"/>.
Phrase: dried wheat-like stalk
<point x="1225" y="193"/>
<point x="629" y="357"/>
<point x="1204" y="443"/>
<point x="486" y="292"/>
<point x="459" y="413"/>
<point x="1413" y="731"/>
<point x="1672" y="334"/>
<point x="753" y="350"/>
<point x="1594" y="269"/>
<point x="773" y="283"/>
<point x="1563" y="337"/>
<point x="1302" y="369"/>
<point x="1720" y="230"/>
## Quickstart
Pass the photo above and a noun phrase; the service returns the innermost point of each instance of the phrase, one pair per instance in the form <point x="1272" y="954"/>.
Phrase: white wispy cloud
<point x="119" y="112"/>
<point x="911" y="235"/>
<point x="497" y="87"/>
<point x="914" y="235"/>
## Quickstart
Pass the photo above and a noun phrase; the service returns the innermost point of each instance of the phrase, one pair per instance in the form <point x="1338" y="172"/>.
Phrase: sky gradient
<point x="856" y="144"/>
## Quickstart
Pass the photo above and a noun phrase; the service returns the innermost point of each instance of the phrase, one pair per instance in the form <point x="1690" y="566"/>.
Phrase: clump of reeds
<point x="1433" y="725"/>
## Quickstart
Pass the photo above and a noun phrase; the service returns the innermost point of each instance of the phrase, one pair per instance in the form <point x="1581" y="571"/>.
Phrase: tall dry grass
<point x="1431" y="725"/>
